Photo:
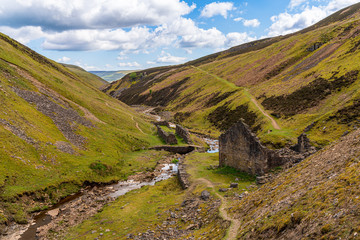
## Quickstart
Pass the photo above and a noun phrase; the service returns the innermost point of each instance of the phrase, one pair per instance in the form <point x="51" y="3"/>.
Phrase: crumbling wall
<point x="183" y="133"/>
<point x="169" y="138"/>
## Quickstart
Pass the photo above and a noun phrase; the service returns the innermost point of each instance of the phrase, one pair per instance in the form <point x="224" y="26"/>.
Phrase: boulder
<point x="205" y="195"/>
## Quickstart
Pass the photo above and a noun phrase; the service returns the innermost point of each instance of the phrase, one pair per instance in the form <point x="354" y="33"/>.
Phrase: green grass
<point x="203" y="165"/>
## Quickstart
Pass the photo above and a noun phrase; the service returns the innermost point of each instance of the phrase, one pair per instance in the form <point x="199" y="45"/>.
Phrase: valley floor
<point x="165" y="211"/>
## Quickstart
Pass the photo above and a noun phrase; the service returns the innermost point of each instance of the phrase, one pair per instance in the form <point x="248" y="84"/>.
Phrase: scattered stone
<point x="234" y="185"/>
<point x="54" y="212"/>
<point x="205" y="195"/>
<point x="191" y="227"/>
<point x="223" y="190"/>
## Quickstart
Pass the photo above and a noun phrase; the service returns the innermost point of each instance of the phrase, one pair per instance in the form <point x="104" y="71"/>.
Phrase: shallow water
<point x="213" y="144"/>
<point x="122" y="188"/>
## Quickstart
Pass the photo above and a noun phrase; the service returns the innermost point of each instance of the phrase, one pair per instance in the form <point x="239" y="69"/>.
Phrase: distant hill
<point x="92" y="78"/>
<point x="111" y="76"/>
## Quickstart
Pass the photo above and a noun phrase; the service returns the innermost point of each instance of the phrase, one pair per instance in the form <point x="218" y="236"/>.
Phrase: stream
<point x="64" y="209"/>
<point x="77" y="207"/>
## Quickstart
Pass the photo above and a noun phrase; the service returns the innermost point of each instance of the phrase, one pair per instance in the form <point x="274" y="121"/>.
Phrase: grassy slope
<point x="40" y="166"/>
<point x="266" y="69"/>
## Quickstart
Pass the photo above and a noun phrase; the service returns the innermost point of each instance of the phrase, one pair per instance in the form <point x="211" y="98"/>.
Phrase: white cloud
<point x="235" y="38"/>
<point x="64" y="59"/>
<point x="286" y="23"/>
<point x="251" y="23"/>
<point x="335" y="5"/>
<point x="295" y="3"/>
<point x="150" y="63"/>
<point x="248" y="23"/>
<point x="122" y="57"/>
<point x="90" y="14"/>
<point x="129" y="64"/>
<point x="168" y="58"/>
<point x="23" y="34"/>
<point x="83" y="40"/>
<point x="217" y="8"/>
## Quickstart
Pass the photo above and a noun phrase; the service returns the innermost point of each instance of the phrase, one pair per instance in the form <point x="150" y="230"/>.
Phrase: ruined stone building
<point x="241" y="149"/>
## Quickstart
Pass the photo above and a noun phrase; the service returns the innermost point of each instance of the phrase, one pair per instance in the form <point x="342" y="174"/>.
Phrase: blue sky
<point x="137" y="34"/>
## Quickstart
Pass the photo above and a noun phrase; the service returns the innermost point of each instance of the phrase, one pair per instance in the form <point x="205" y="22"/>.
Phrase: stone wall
<point x="241" y="149"/>
<point x="169" y="138"/>
<point x="183" y="133"/>
<point x="183" y="176"/>
<point x="162" y="123"/>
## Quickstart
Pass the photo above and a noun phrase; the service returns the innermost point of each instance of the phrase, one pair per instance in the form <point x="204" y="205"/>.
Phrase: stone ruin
<point x="183" y="133"/>
<point x="241" y="149"/>
<point x="168" y="137"/>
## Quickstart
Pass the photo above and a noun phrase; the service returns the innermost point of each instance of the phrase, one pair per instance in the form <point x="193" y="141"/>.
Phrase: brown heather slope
<point x="317" y="199"/>
<point x="307" y="80"/>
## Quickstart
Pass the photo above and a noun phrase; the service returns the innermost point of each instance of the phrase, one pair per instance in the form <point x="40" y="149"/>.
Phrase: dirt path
<point x="273" y="122"/>
<point x="235" y="224"/>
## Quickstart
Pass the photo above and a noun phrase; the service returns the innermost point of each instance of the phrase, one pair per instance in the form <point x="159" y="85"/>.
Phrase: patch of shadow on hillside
<point x="223" y="117"/>
<point x="217" y="98"/>
<point x="133" y="96"/>
<point x="65" y="119"/>
<point x="309" y="95"/>
<point x="348" y="114"/>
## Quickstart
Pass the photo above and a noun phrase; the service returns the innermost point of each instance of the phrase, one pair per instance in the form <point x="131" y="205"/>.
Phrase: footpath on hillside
<point x="247" y="93"/>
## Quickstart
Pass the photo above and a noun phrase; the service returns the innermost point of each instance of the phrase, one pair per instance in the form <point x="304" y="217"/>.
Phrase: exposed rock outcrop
<point x="66" y="119"/>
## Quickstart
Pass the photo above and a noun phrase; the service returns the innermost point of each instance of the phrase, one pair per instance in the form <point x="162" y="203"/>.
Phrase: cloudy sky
<point x="136" y="34"/>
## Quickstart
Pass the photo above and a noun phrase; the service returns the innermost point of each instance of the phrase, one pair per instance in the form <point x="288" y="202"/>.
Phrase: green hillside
<point x="58" y="131"/>
<point x="306" y="81"/>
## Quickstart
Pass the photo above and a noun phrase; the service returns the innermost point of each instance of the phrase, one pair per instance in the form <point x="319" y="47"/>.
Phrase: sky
<point x="108" y="35"/>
